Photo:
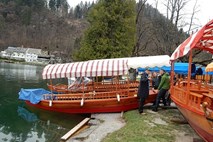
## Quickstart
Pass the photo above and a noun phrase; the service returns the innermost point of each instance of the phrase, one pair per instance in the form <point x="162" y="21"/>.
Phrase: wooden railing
<point x="195" y="100"/>
<point x="179" y="94"/>
<point x="90" y="95"/>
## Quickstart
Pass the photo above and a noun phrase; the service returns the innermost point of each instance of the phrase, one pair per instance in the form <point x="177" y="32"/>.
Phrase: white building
<point x="26" y="54"/>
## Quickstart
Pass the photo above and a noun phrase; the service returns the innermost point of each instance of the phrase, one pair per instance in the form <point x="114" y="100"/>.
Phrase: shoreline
<point x="21" y="62"/>
<point x="154" y="126"/>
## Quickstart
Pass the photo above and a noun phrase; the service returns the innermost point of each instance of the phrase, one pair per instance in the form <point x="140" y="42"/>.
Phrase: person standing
<point x="143" y="89"/>
<point x="162" y="89"/>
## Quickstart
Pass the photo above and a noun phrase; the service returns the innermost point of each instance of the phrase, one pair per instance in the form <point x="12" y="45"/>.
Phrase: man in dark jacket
<point x="163" y="88"/>
<point x="143" y="89"/>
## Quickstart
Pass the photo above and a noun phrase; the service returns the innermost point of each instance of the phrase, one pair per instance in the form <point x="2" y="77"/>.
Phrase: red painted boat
<point x="115" y="101"/>
<point x="115" y="96"/>
<point x="194" y="98"/>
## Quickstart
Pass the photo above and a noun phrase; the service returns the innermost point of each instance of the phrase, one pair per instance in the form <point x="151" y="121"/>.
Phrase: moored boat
<point x="194" y="98"/>
<point x="115" y="96"/>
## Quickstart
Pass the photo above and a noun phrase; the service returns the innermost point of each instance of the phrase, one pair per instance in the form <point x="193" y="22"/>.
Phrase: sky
<point x="204" y="15"/>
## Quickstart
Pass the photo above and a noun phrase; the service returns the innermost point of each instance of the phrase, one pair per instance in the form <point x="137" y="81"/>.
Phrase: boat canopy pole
<point x="189" y="74"/>
<point x="172" y="77"/>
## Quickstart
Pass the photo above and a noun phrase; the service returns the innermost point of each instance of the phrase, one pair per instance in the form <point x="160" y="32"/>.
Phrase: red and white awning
<point x="202" y="39"/>
<point x="107" y="67"/>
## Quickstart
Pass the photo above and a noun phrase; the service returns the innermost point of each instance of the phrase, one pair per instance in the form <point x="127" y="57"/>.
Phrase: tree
<point x="112" y="30"/>
<point x="52" y="5"/>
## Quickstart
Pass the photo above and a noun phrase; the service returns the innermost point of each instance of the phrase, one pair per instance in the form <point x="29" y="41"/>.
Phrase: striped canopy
<point x="202" y="39"/>
<point x="107" y="67"/>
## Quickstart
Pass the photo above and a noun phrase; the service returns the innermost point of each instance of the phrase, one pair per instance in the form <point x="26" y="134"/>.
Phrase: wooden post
<point x="189" y="75"/>
<point x="50" y="102"/>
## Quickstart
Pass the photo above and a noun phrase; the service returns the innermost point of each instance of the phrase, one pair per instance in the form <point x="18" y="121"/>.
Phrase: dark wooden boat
<point x="194" y="98"/>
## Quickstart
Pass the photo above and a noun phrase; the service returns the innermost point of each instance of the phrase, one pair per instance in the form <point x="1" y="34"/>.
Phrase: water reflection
<point x="25" y="72"/>
<point x="21" y="123"/>
<point x="26" y="115"/>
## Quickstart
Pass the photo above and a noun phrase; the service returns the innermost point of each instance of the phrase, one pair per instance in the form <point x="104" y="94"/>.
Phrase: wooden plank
<point x="76" y="128"/>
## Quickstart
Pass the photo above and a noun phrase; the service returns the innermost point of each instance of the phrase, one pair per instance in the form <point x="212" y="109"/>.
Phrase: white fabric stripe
<point x="94" y="68"/>
<point x="79" y="69"/>
<point x="188" y="46"/>
<point x="72" y="72"/>
<point x="63" y="72"/>
<point x="49" y="73"/>
<point x="44" y="72"/>
<point x="68" y="70"/>
<point x="59" y="71"/>
<point x="54" y="71"/>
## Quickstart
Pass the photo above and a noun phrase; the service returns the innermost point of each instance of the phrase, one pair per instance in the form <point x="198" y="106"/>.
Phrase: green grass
<point x="143" y="128"/>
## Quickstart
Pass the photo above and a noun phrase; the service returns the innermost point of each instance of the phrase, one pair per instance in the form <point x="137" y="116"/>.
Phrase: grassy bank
<point x="153" y="127"/>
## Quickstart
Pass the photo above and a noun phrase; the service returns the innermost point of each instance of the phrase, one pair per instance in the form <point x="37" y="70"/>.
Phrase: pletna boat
<point x="116" y="96"/>
<point x="194" y="98"/>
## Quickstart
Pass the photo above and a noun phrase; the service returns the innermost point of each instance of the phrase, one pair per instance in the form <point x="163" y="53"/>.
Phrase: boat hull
<point x="197" y="121"/>
<point x="92" y="106"/>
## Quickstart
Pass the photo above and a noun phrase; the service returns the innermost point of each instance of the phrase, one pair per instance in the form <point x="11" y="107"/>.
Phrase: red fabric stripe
<point x="66" y="70"/>
<point x="92" y="68"/>
<point x="76" y="69"/>
<point x="62" y="69"/>
<point x="56" y="71"/>
<point x="118" y="68"/>
<point x="52" y="71"/>
<point x="124" y="65"/>
<point x="86" y="68"/>
<point x="102" y="68"/>
<point x="81" y="68"/>
<point x="97" y="68"/>
<point x="47" y="72"/>
<point x="107" y="74"/>
<point x="112" y="67"/>
<point x="71" y="70"/>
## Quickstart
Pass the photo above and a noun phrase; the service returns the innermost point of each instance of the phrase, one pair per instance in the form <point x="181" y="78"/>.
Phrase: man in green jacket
<point x="163" y="88"/>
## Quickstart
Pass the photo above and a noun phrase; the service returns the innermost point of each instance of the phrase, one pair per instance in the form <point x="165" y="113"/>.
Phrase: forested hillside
<point x="55" y="26"/>
<point x="41" y="24"/>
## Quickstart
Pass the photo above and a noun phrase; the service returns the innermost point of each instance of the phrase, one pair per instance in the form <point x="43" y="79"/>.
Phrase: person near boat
<point x="162" y="89"/>
<point x="155" y="80"/>
<point x="143" y="89"/>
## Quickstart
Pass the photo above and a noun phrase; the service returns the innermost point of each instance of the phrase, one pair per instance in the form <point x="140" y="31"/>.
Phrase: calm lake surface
<point x="21" y="123"/>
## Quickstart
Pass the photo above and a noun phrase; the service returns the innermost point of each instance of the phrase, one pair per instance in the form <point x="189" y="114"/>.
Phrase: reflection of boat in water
<point x="26" y="72"/>
<point x="194" y="98"/>
<point x="101" y="97"/>
<point x="26" y="115"/>
<point x="52" y="126"/>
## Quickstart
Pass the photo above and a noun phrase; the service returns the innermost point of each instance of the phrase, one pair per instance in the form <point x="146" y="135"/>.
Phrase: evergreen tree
<point x="52" y="5"/>
<point x="112" y="30"/>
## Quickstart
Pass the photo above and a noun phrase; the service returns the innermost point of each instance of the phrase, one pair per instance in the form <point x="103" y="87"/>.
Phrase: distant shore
<point x="21" y="62"/>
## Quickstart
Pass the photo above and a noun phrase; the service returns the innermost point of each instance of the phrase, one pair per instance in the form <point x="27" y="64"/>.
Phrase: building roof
<point x="16" y="49"/>
<point x="34" y="51"/>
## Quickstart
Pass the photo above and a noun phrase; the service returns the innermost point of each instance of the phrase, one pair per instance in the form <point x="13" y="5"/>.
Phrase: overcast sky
<point x="203" y="16"/>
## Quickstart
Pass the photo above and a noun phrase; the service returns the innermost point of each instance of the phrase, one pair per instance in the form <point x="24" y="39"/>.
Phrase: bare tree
<point x="195" y="10"/>
<point x="140" y="9"/>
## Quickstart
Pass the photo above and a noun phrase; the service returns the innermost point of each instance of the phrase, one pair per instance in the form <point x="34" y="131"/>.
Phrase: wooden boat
<point x="194" y="98"/>
<point x="114" y="101"/>
<point x="116" y="96"/>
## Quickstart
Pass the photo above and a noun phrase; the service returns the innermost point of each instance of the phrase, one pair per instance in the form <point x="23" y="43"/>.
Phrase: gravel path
<point x="100" y="125"/>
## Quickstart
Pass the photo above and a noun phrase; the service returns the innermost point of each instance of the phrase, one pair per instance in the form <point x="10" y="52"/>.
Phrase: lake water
<point x="21" y="123"/>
